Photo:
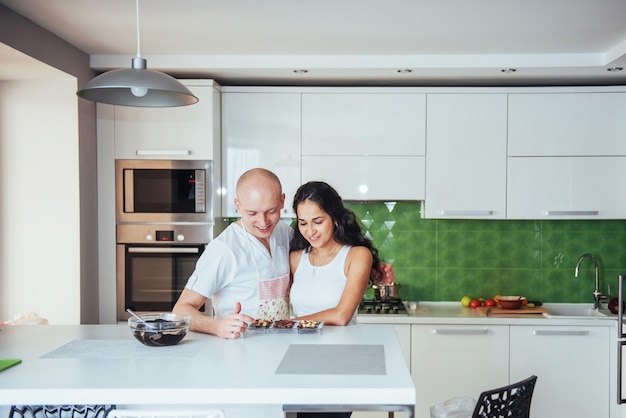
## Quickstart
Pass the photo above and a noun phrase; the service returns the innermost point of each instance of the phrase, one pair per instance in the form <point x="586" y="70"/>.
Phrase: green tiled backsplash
<point x="442" y="260"/>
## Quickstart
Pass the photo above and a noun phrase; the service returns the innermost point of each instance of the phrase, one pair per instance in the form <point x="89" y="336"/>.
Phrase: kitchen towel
<point x="122" y="349"/>
<point x="5" y="363"/>
<point x="346" y="359"/>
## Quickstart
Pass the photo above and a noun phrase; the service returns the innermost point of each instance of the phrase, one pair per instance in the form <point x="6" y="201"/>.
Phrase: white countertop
<point x="205" y="370"/>
<point x="454" y="313"/>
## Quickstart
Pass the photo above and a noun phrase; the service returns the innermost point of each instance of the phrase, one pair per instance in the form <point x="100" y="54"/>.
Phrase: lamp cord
<point x="138" y="36"/>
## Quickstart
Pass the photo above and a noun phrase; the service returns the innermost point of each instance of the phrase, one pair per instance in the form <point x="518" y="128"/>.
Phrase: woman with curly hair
<point x="331" y="261"/>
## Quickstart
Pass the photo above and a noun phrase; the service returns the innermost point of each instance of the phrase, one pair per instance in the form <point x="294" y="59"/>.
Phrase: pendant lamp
<point x="137" y="86"/>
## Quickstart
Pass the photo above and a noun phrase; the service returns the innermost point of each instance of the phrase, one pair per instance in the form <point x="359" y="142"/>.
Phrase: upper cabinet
<point x="474" y="153"/>
<point x="567" y="124"/>
<point x="186" y="132"/>
<point x="260" y="129"/>
<point x="566" y="156"/>
<point x="369" y="146"/>
<point x="566" y="188"/>
<point x="363" y="123"/>
<point x="466" y="158"/>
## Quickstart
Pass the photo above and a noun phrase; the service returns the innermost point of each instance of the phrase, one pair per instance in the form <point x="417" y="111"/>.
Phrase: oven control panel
<point x="166" y="234"/>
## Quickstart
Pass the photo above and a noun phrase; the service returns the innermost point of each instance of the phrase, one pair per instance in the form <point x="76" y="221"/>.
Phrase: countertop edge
<point x="454" y="314"/>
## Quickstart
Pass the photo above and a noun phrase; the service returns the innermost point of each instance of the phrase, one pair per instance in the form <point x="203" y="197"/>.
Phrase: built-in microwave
<point x="164" y="191"/>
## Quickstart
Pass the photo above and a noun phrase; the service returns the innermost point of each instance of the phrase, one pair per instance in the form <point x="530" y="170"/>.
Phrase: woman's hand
<point x="389" y="276"/>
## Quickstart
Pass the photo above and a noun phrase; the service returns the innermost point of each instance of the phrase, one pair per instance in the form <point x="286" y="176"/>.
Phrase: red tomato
<point x="490" y="302"/>
<point x="475" y="303"/>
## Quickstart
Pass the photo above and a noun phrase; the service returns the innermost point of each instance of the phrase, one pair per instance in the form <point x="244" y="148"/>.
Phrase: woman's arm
<point x="294" y="260"/>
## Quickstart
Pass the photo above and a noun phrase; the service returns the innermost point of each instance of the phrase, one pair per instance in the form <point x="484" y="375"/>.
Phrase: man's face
<point x="260" y="210"/>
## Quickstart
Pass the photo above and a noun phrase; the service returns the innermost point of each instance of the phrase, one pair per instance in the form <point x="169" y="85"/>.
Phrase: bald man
<point x="245" y="269"/>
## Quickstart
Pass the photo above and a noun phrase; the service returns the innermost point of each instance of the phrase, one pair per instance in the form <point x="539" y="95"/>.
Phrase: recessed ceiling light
<point x="405" y="71"/>
<point x="301" y="71"/>
<point x="615" y="69"/>
<point x="508" y="70"/>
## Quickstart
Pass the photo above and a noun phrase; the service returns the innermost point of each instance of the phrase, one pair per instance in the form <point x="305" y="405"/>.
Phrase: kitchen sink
<point x="575" y="311"/>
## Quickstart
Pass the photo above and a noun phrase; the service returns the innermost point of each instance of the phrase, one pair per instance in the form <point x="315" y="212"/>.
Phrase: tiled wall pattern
<point x="443" y="260"/>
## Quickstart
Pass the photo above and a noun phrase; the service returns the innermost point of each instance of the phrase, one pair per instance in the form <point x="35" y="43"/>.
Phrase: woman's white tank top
<point x="317" y="288"/>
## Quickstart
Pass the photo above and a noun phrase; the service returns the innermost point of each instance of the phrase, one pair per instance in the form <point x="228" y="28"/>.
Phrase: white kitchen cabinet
<point x="369" y="146"/>
<point x="260" y="129"/>
<point x="363" y="123"/>
<point x="567" y="124"/>
<point x="369" y="177"/>
<point x="186" y="132"/>
<point x="566" y="188"/>
<point x="403" y="332"/>
<point x="457" y="360"/>
<point x="572" y="368"/>
<point x="466" y="159"/>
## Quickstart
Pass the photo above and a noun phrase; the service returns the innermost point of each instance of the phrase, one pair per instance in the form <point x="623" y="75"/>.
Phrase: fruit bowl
<point x="511" y="302"/>
<point x="159" y="329"/>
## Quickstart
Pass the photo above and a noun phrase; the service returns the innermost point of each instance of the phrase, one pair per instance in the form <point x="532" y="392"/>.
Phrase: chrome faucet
<point x="597" y="295"/>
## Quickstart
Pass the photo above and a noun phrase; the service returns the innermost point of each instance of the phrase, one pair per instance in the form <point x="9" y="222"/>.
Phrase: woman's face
<point x="315" y="225"/>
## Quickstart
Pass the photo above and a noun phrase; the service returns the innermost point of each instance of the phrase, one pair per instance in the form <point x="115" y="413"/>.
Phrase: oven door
<point x="151" y="277"/>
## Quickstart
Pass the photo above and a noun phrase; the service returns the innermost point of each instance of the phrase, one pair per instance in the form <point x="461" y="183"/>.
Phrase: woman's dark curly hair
<point x="347" y="229"/>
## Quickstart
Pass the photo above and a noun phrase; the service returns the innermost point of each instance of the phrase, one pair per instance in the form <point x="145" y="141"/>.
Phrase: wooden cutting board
<point x="488" y="310"/>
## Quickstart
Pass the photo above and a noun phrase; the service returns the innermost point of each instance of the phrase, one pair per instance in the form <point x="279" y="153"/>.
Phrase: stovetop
<point x="390" y="306"/>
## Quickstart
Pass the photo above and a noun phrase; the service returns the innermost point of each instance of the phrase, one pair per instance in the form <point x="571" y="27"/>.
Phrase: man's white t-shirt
<point x="234" y="264"/>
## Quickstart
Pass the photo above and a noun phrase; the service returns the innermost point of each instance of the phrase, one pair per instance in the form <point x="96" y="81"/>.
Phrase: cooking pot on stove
<point x="386" y="291"/>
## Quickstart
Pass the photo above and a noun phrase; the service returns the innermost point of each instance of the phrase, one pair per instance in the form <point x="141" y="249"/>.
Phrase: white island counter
<point x="103" y="364"/>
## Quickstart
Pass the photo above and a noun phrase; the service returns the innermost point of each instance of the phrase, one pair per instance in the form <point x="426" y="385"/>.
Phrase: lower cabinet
<point x="403" y="332"/>
<point x="457" y="360"/>
<point x="572" y="366"/>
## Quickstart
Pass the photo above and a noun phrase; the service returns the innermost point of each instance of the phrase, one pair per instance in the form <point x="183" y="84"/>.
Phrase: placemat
<point x="122" y="349"/>
<point x="350" y="359"/>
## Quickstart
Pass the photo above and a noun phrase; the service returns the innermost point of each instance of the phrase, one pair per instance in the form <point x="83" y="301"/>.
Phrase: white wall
<point x="39" y="206"/>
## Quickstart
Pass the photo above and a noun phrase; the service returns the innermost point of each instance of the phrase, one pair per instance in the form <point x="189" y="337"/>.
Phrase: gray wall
<point x="30" y="39"/>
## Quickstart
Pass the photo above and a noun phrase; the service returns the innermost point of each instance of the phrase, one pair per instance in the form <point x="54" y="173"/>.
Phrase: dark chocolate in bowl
<point x="160" y="330"/>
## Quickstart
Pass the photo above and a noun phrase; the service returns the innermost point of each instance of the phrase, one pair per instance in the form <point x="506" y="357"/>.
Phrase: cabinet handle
<point x="467" y="212"/>
<point x="163" y="250"/>
<point x="560" y="332"/>
<point x="460" y="331"/>
<point x="571" y="213"/>
<point x="163" y="152"/>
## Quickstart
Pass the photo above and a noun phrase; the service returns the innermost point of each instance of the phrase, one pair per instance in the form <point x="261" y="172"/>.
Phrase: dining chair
<point x="512" y="401"/>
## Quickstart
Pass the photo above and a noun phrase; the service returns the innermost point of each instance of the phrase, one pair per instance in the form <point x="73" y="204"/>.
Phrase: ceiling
<point x="349" y="42"/>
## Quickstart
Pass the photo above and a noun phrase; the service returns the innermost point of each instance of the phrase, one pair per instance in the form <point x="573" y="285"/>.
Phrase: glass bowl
<point x="160" y="329"/>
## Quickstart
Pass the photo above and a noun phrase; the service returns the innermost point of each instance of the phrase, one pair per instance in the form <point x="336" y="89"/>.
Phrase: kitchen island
<point x="353" y="367"/>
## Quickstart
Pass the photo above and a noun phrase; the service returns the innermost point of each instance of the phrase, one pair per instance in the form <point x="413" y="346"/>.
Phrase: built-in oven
<point x="164" y="220"/>
<point x="154" y="262"/>
<point x="163" y="191"/>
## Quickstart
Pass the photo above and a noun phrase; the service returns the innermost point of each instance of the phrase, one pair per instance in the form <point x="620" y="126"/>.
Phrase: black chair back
<point x="512" y="401"/>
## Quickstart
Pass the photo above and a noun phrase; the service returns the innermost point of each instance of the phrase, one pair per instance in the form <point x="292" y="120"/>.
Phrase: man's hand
<point x="233" y="324"/>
